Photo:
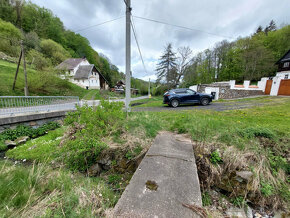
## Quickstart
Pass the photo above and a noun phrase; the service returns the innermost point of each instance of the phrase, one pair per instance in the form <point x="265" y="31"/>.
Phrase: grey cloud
<point x="226" y="17"/>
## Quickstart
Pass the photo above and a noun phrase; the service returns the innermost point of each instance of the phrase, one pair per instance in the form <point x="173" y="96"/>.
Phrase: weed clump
<point x="251" y="132"/>
<point x="90" y="125"/>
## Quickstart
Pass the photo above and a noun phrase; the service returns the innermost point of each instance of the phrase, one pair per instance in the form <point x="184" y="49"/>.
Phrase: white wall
<point x="194" y="88"/>
<point x="275" y="86"/>
<point x="209" y="90"/>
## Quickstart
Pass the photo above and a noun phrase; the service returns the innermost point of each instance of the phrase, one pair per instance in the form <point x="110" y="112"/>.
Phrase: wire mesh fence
<point x="12" y="105"/>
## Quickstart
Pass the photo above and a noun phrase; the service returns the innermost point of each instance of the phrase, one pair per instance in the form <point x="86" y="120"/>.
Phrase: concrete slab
<point x="165" y="179"/>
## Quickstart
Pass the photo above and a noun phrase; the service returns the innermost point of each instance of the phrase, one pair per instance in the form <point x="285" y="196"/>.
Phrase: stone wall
<point x="225" y="92"/>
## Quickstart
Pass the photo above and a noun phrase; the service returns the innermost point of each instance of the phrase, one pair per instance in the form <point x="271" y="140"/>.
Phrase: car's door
<point x="182" y="95"/>
<point x="192" y="96"/>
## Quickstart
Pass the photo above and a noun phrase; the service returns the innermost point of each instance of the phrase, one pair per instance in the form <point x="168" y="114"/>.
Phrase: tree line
<point x="248" y="58"/>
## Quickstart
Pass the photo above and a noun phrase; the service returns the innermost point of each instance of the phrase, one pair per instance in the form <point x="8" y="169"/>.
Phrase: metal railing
<point x="12" y="105"/>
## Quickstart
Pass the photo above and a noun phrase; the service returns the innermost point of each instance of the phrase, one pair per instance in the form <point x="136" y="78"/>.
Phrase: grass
<point x="39" y="82"/>
<point x="155" y="101"/>
<point x="42" y="149"/>
<point x="255" y="139"/>
<point x="40" y="191"/>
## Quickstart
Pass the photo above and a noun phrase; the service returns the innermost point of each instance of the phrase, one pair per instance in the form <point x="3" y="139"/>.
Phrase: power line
<point x="99" y="24"/>
<point x="135" y="36"/>
<point x="183" y="27"/>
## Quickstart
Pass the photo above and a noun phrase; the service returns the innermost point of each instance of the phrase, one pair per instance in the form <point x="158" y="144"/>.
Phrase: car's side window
<point x="190" y="92"/>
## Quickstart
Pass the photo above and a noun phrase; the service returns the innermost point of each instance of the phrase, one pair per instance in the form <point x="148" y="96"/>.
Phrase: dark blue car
<point x="175" y="97"/>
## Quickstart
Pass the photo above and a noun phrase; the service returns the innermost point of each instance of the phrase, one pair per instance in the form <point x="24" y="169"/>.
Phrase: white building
<point x="80" y="72"/>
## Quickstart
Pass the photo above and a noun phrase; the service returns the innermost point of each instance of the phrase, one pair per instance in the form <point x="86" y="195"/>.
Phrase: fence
<point x="11" y="105"/>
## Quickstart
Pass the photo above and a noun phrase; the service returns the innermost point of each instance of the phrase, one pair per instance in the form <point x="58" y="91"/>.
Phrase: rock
<point x="32" y="123"/>
<point x="32" y="147"/>
<point x="236" y="213"/>
<point x="10" y="144"/>
<point x="21" y="140"/>
<point x="95" y="170"/>
<point x="257" y="215"/>
<point x="281" y="214"/>
<point x="244" y="176"/>
<point x="249" y="212"/>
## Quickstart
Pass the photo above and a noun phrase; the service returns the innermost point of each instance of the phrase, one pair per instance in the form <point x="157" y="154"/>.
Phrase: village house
<point x="80" y="72"/>
<point x="278" y="85"/>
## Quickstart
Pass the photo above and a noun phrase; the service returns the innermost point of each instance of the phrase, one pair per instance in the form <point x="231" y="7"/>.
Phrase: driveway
<point x="216" y="106"/>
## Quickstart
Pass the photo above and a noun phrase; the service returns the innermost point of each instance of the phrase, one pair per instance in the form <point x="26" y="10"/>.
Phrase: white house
<point x="80" y="72"/>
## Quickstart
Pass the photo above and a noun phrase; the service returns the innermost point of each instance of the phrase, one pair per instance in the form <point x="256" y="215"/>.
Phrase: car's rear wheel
<point x="204" y="101"/>
<point x="174" y="103"/>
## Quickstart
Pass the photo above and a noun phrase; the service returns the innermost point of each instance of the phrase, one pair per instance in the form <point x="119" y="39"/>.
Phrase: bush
<point x="37" y="60"/>
<point x="53" y="50"/>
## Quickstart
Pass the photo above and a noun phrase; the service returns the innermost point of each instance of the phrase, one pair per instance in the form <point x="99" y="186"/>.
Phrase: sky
<point x="226" y="19"/>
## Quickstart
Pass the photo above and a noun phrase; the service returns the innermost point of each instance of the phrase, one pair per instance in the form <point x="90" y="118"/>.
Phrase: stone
<point x="21" y="140"/>
<point x="10" y="144"/>
<point x="249" y="212"/>
<point x="281" y="214"/>
<point x="32" y="123"/>
<point x="32" y="147"/>
<point x="244" y="175"/>
<point x="95" y="170"/>
<point x="257" y="215"/>
<point x="235" y="212"/>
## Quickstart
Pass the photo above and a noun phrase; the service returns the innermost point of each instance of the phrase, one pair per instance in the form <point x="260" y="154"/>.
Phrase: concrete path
<point x="166" y="179"/>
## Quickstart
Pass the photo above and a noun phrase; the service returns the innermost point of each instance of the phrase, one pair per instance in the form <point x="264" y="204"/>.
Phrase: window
<point x="190" y="92"/>
<point x="286" y="76"/>
<point x="286" y="64"/>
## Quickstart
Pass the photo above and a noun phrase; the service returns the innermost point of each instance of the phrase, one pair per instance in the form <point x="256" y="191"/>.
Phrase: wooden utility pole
<point x="17" y="69"/>
<point x="25" y="72"/>
<point x="128" y="55"/>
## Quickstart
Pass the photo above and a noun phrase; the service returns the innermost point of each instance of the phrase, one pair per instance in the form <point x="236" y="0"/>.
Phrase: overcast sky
<point x="224" y="17"/>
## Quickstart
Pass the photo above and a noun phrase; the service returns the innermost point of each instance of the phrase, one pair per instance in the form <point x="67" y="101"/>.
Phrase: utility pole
<point x="149" y="94"/>
<point x="128" y="55"/>
<point x="25" y="72"/>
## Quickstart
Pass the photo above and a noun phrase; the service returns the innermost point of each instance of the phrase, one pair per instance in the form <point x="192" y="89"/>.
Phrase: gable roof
<point x="84" y="71"/>
<point x="285" y="58"/>
<point x="70" y="64"/>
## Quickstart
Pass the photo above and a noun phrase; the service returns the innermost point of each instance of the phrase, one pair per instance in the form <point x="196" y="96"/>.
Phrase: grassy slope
<point x="39" y="191"/>
<point x="39" y="82"/>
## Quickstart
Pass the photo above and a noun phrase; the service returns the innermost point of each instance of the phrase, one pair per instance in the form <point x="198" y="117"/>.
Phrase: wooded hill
<point x="248" y="58"/>
<point x="47" y="42"/>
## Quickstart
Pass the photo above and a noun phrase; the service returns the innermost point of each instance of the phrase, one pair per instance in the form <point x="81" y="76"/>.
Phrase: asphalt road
<point x="216" y="106"/>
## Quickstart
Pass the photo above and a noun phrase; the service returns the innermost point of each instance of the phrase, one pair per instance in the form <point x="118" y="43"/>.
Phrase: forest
<point x="247" y="58"/>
